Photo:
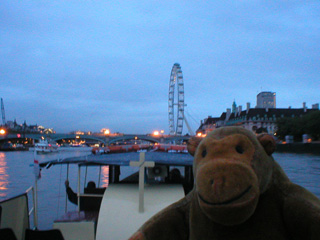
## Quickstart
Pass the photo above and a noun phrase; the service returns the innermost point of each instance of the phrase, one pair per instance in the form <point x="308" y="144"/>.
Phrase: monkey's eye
<point x="239" y="149"/>
<point x="204" y="153"/>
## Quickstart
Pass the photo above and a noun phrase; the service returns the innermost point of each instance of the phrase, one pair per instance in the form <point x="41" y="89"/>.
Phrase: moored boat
<point x="128" y="201"/>
<point x="173" y="148"/>
<point x="43" y="146"/>
<point x="7" y="146"/>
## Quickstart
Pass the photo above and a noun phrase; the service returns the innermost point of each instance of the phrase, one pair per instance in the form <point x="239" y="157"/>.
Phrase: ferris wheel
<point x="176" y="122"/>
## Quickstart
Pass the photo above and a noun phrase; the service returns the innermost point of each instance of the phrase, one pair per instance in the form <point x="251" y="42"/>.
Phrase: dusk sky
<point x="88" y="65"/>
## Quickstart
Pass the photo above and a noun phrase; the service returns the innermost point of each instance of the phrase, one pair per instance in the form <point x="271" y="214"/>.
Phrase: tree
<point x="284" y="126"/>
<point x="312" y="124"/>
<point x="297" y="126"/>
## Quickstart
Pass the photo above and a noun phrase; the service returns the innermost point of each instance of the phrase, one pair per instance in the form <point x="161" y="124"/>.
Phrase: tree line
<point x="297" y="126"/>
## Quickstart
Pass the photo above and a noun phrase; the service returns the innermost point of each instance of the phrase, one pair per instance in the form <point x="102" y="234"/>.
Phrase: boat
<point x="172" y="148"/>
<point x="7" y="146"/>
<point x="43" y="146"/>
<point x="71" y="148"/>
<point x="127" y="148"/>
<point x="158" y="180"/>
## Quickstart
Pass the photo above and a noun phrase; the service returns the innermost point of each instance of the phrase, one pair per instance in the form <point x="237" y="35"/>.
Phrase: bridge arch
<point x="79" y="137"/>
<point x="134" y="137"/>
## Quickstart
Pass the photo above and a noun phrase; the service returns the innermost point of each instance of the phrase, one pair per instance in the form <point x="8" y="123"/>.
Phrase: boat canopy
<point x="124" y="159"/>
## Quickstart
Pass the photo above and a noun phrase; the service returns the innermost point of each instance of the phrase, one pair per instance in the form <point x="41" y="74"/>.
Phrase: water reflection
<point x="3" y="175"/>
<point x="105" y="176"/>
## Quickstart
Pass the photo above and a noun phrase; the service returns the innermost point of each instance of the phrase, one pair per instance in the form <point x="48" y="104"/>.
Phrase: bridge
<point x="102" y="140"/>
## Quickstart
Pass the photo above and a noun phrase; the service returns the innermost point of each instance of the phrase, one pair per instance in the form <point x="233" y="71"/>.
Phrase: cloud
<point x="73" y="66"/>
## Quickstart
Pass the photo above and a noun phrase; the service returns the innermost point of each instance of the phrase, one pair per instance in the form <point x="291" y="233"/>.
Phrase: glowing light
<point x="77" y="137"/>
<point x="199" y="134"/>
<point x="106" y="131"/>
<point x="2" y="131"/>
<point x="156" y="133"/>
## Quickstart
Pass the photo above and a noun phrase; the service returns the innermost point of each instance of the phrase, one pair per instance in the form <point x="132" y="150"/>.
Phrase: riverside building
<point x="255" y="119"/>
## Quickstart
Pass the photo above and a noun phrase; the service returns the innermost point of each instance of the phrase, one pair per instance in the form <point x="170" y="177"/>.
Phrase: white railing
<point x="34" y="207"/>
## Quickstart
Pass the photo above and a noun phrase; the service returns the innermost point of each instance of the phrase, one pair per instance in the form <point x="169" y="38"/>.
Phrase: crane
<point x="3" y="113"/>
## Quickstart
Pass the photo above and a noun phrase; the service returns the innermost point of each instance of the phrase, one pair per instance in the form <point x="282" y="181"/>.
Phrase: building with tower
<point x="266" y="100"/>
<point x="261" y="118"/>
<point x="234" y="106"/>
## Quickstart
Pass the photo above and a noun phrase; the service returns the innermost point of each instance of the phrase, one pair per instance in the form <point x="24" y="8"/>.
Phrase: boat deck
<point x="75" y="216"/>
<point x="77" y="225"/>
<point x="119" y="213"/>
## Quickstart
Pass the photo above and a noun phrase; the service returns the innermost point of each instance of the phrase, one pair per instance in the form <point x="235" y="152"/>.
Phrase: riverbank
<point x="313" y="148"/>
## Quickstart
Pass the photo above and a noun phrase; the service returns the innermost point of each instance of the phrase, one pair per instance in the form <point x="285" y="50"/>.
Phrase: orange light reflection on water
<point x="105" y="176"/>
<point x="3" y="175"/>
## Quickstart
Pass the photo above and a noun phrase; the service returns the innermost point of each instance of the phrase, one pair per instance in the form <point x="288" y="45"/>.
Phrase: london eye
<point x="176" y="101"/>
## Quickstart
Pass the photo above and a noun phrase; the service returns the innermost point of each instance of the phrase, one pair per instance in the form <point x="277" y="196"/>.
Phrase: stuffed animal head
<point x="232" y="167"/>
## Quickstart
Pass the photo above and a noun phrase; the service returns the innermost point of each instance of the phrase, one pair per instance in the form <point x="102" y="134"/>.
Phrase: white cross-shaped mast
<point x="142" y="164"/>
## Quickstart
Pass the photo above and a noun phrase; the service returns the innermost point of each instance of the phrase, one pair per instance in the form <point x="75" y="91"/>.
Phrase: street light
<point x="2" y="131"/>
<point x="199" y="134"/>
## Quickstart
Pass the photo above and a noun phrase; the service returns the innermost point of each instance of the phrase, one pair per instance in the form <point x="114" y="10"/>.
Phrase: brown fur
<point x="240" y="192"/>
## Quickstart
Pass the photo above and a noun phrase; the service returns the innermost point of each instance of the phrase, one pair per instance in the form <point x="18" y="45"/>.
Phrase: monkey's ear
<point x="267" y="142"/>
<point x="192" y="144"/>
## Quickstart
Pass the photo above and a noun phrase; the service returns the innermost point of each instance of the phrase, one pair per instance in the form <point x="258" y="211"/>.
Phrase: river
<point x="16" y="175"/>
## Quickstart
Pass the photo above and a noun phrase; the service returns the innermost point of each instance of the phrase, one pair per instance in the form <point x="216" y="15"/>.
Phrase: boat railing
<point x="33" y="209"/>
<point x="15" y="214"/>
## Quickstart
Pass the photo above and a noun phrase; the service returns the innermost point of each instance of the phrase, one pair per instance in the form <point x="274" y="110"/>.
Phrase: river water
<point x="16" y="175"/>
